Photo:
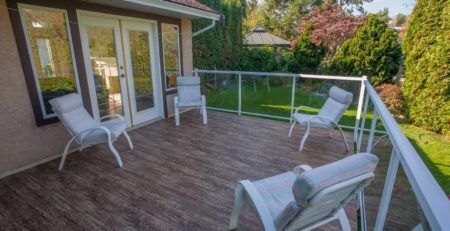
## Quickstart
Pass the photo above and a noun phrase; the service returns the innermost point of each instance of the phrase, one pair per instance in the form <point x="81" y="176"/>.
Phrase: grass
<point x="434" y="149"/>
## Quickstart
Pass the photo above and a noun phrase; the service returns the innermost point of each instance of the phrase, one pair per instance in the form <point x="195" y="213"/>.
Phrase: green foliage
<point x="427" y="80"/>
<point x="374" y="52"/>
<point x="306" y="56"/>
<point x="220" y="47"/>
<point x="59" y="83"/>
<point x="259" y="59"/>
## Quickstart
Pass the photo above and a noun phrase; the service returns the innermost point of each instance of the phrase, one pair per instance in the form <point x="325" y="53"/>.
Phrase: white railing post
<point x="360" y="105"/>
<point x="363" y="124"/>
<point x="195" y="72"/>
<point x="372" y="130"/>
<point x="240" y="94"/>
<point x="293" y="97"/>
<point x="387" y="191"/>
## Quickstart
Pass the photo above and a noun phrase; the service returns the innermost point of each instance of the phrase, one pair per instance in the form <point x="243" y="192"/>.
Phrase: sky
<point x="395" y="6"/>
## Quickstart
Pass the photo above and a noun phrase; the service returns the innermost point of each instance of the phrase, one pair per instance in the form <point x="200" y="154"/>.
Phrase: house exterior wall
<point x="22" y="142"/>
<point x="186" y="46"/>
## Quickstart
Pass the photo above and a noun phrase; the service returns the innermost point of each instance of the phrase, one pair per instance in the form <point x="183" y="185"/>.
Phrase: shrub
<point x="258" y="59"/>
<point x="392" y="96"/>
<point x="306" y="55"/>
<point x="374" y="52"/>
<point x="427" y="66"/>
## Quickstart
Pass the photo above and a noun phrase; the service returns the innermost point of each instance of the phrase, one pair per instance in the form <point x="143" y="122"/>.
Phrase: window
<point x="49" y="46"/>
<point x="171" y="51"/>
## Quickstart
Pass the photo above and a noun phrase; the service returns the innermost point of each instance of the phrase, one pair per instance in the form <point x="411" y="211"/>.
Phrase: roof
<point x="193" y="4"/>
<point x="259" y="37"/>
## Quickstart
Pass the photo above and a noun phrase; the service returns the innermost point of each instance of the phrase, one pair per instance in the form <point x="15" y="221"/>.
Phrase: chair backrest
<point x="338" y="101"/>
<point x="188" y="88"/>
<point x="73" y="115"/>
<point x="321" y="192"/>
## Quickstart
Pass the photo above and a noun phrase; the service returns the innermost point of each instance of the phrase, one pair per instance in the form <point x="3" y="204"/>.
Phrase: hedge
<point x="427" y="65"/>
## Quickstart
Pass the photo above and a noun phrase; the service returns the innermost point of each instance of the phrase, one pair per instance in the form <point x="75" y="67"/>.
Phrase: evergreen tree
<point x="374" y="52"/>
<point x="306" y="55"/>
<point x="427" y="63"/>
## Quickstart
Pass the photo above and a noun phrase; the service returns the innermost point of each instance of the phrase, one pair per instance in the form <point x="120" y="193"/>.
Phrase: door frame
<point x="156" y="61"/>
<point x="151" y="28"/>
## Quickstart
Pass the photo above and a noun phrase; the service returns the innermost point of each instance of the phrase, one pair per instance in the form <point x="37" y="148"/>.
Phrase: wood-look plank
<point x="177" y="178"/>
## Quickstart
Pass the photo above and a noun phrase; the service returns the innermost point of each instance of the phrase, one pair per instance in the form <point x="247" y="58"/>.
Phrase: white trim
<point x="179" y="54"/>
<point x="21" y="6"/>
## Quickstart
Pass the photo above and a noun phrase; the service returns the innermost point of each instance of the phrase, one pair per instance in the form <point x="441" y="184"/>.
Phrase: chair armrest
<point x="112" y="116"/>
<point x="300" y="107"/>
<point x="301" y="169"/>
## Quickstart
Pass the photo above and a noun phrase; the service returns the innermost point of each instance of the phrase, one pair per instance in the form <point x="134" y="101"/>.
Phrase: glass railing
<point x="404" y="193"/>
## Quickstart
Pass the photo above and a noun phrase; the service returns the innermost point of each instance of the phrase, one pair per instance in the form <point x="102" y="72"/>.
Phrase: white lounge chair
<point x="329" y="115"/>
<point x="189" y="96"/>
<point x="84" y="129"/>
<point x="306" y="198"/>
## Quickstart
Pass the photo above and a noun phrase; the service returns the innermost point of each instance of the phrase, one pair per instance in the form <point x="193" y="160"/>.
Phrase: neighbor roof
<point x="259" y="37"/>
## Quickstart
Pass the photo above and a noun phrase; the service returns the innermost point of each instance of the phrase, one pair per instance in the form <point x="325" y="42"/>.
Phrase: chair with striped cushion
<point x="189" y="96"/>
<point x="327" y="118"/>
<point x="306" y="198"/>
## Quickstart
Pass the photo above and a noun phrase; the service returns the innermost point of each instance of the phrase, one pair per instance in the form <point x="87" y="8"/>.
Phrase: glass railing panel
<point x="221" y="90"/>
<point x="268" y="95"/>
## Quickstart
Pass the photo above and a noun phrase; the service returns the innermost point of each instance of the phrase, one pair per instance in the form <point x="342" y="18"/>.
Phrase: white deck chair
<point x="84" y="129"/>
<point x="329" y="115"/>
<point x="306" y="198"/>
<point x="189" y="96"/>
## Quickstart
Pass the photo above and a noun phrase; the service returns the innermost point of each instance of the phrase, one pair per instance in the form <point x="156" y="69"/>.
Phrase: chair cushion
<point x="313" y="181"/>
<point x="115" y="127"/>
<point x="333" y="110"/>
<point x="340" y="95"/>
<point x="188" y="81"/>
<point x="276" y="192"/>
<point x="77" y="120"/>
<point x="190" y="103"/>
<point x="315" y="123"/>
<point x="66" y="103"/>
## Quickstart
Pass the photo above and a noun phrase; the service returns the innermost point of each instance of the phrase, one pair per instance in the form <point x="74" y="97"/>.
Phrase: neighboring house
<point x="260" y="37"/>
<point x="122" y="56"/>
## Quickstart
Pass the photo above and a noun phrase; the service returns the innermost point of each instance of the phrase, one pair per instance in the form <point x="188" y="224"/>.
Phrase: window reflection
<point x="171" y="54"/>
<point x="51" y="53"/>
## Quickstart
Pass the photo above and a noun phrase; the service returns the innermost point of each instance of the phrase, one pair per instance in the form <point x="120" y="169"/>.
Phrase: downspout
<point x="213" y="23"/>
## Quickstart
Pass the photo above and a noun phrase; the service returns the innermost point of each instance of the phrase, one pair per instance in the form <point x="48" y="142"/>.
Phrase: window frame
<point x="31" y="60"/>
<point x="167" y="89"/>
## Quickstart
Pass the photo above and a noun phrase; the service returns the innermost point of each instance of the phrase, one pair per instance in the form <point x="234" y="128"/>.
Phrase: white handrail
<point x="431" y="197"/>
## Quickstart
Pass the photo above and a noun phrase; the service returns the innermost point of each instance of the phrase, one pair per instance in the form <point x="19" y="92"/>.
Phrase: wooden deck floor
<point x="177" y="178"/>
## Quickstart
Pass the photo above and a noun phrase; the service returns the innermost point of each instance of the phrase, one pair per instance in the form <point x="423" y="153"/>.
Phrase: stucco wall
<point x="21" y="141"/>
<point x="186" y="44"/>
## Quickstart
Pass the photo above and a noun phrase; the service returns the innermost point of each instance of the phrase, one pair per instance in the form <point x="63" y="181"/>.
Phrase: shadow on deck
<point x="181" y="178"/>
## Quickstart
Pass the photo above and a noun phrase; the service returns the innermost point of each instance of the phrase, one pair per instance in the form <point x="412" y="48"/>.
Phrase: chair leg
<point x="177" y="111"/>
<point x="203" y="109"/>
<point x="330" y="133"/>
<point x="129" y="140"/>
<point x="64" y="155"/>
<point x="302" y="143"/>
<point x="238" y="204"/>
<point x="343" y="220"/>
<point x="292" y="128"/>
<point x="116" y="154"/>
<point x="345" y="139"/>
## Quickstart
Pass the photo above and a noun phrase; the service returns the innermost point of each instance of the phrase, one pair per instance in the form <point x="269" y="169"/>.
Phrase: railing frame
<point x="432" y="199"/>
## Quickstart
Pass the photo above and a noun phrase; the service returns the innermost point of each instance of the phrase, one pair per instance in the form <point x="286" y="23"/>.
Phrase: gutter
<point x="213" y="23"/>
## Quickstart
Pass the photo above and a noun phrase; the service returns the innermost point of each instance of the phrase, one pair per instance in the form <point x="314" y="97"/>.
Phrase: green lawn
<point x="433" y="148"/>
